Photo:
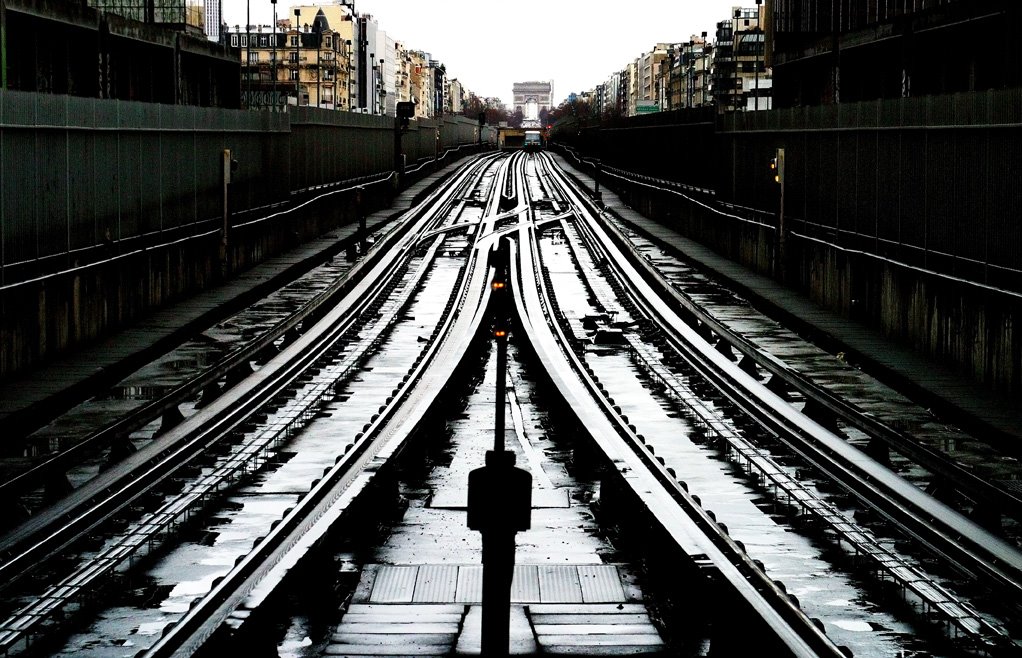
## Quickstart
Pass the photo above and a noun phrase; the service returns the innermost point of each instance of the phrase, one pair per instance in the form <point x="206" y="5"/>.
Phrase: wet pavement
<point x="187" y="570"/>
<point x="172" y="369"/>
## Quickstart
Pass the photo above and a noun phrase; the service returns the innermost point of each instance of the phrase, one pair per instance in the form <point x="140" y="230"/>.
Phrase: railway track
<point x="354" y="353"/>
<point x="273" y="403"/>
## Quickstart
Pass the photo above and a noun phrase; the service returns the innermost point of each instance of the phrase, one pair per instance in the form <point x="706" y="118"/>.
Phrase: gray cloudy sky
<point x="490" y="45"/>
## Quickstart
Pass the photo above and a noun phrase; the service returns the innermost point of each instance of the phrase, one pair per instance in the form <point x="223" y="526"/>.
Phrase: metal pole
<point x="702" y="63"/>
<point x="759" y="31"/>
<point x="691" y="86"/>
<point x="757" y="78"/>
<point x="248" y="53"/>
<point x="734" y="56"/>
<point x="498" y="429"/>
<point x="273" y="63"/>
<point x="298" y="56"/>
<point x="782" y="256"/>
<point x="225" y="177"/>
<point x="3" y="45"/>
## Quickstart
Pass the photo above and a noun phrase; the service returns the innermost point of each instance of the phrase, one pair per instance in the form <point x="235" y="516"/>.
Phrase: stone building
<point x="303" y="64"/>
<point x="532" y="98"/>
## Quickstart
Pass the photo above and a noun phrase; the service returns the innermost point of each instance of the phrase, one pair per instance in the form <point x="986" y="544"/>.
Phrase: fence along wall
<point x="110" y="208"/>
<point x="930" y="181"/>
<point x="904" y="215"/>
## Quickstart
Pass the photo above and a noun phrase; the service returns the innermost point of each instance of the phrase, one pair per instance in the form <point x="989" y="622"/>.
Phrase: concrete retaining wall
<point x="970" y="328"/>
<point x="112" y="209"/>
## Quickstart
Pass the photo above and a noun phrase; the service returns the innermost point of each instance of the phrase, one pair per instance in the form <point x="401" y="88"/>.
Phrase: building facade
<point x="305" y="64"/>
<point x="212" y="19"/>
<point x="739" y="62"/>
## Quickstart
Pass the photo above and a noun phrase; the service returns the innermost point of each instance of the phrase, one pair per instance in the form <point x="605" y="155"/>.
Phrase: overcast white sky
<point x="489" y="45"/>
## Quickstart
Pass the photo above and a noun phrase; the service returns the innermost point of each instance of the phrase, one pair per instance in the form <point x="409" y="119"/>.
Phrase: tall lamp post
<point x="349" y="68"/>
<point x="690" y="71"/>
<point x="372" y="90"/>
<point x="758" y="44"/>
<point x="734" y="53"/>
<point x="702" y="78"/>
<point x="273" y="61"/>
<point x="248" y="53"/>
<point x="298" y="66"/>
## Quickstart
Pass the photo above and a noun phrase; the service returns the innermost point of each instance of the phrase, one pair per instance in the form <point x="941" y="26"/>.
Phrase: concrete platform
<point x="955" y="397"/>
<point x="29" y="401"/>
<point x="434" y="610"/>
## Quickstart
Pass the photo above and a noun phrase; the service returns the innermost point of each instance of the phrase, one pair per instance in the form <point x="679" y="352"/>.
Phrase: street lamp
<point x="248" y="52"/>
<point x="348" y="68"/>
<point x="690" y="84"/>
<point x="734" y="54"/>
<point x="298" y="68"/>
<point x="273" y="62"/>
<point x="759" y="32"/>
<point x="702" y="62"/>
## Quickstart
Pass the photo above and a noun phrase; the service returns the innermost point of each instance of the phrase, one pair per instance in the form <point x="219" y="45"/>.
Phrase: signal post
<point x="777" y="169"/>
<point x="499" y="494"/>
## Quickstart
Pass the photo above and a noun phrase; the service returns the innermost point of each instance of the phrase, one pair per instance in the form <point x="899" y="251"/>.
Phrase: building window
<point x="244" y="41"/>
<point x="294" y="40"/>
<point x="294" y="75"/>
<point x="264" y="41"/>
<point x="234" y="41"/>
<point x="293" y="57"/>
<point x="253" y="57"/>
<point x="326" y="42"/>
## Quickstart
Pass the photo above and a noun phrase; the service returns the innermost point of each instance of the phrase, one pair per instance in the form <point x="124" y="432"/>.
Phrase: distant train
<point x="529" y="139"/>
<point x="533" y="140"/>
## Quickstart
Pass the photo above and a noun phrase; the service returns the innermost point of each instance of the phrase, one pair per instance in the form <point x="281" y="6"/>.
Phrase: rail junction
<point x="703" y="482"/>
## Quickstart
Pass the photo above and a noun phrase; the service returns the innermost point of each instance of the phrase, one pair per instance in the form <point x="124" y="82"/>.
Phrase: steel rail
<point x="933" y="460"/>
<point x="352" y="472"/>
<point x="246" y="456"/>
<point x="24" y="623"/>
<point x="949" y="607"/>
<point x="49" y="532"/>
<point x="38" y="474"/>
<point x="972" y="549"/>
<point x="680" y="516"/>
